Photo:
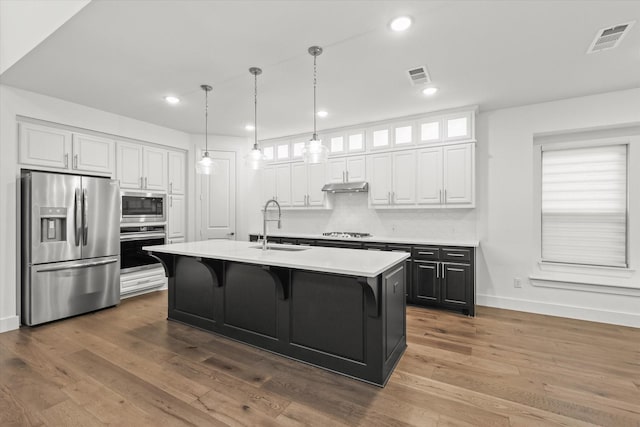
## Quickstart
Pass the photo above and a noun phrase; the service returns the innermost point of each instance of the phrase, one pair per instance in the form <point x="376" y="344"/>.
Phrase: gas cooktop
<point x="346" y="234"/>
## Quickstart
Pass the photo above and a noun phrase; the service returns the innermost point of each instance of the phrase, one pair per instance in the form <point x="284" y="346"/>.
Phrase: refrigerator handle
<point x="77" y="220"/>
<point x="85" y="229"/>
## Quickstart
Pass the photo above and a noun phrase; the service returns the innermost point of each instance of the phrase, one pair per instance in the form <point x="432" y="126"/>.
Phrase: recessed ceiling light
<point x="429" y="90"/>
<point x="322" y="113"/>
<point x="172" y="99"/>
<point x="250" y="127"/>
<point x="401" y="23"/>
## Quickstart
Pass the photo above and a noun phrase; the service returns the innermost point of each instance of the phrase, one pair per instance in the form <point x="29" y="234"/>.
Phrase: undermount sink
<point x="281" y="248"/>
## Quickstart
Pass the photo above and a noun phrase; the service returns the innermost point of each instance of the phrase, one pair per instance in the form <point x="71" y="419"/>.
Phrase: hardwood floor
<point x="130" y="366"/>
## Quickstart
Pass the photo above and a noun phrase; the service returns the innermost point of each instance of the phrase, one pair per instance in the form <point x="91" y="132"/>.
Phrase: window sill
<point x="584" y="286"/>
<point x="590" y="270"/>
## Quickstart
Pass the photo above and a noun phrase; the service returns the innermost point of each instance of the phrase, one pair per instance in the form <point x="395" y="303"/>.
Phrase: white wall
<point x="15" y="102"/>
<point x="505" y="200"/>
<point x="26" y="23"/>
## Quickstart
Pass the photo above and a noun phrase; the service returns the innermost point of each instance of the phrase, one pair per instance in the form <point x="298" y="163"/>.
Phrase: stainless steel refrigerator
<point x="70" y="245"/>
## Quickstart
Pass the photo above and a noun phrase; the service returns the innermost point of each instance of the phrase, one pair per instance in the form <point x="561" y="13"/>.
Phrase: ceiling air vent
<point x="608" y="38"/>
<point x="419" y="76"/>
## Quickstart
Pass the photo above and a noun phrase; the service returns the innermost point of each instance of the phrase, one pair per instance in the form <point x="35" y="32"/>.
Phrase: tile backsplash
<point x="351" y="213"/>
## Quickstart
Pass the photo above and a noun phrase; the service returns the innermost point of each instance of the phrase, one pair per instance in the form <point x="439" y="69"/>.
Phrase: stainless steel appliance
<point x="70" y="250"/>
<point x="346" y="234"/>
<point x="143" y="207"/>
<point x="132" y="239"/>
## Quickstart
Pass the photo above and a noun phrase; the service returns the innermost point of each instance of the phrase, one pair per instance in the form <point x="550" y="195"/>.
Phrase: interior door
<point x="217" y="197"/>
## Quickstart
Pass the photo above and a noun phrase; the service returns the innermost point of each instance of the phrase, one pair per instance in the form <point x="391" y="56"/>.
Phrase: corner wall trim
<point x="572" y="312"/>
<point x="9" y="323"/>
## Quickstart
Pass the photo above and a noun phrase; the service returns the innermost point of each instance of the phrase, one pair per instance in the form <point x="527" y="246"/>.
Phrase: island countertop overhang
<point x="351" y="262"/>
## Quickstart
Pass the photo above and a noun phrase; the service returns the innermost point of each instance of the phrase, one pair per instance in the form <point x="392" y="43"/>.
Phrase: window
<point x="268" y="152"/>
<point x="297" y="149"/>
<point x="380" y="138"/>
<point x="403" y="135"/>
<point x="283" y="151"/>
<point x="337" y="144"/>
<point x="356" y="142"/>
<point x="584" y="205"/>
<point x="430" y="131"/>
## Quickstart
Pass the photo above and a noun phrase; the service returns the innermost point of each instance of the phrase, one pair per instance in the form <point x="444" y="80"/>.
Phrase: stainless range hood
<point x="347" y="187"/>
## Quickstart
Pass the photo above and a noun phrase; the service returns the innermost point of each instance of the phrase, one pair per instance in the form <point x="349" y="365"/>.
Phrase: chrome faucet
<point x="265" y="220"/>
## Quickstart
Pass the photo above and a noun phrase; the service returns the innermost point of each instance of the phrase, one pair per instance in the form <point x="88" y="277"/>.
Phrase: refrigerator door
<point x="100" y="217"/>
<point x="52" y="202"/>
<point x="65" y="289"/>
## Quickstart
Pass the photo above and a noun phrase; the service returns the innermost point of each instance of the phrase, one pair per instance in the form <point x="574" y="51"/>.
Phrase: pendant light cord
<point x="206" y="121"/>
<point x="315" y="82"/>
<point x="255" y="111"/>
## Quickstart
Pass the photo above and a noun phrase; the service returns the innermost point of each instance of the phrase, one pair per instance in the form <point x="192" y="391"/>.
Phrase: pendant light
<point x="255" y="158"/>
<point x="205" y="164"/>
<point x="314" y="151"/>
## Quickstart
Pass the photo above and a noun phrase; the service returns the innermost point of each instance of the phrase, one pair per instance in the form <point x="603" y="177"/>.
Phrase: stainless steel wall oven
<point x="132" y="239"/>
<point x="143" y="207"/>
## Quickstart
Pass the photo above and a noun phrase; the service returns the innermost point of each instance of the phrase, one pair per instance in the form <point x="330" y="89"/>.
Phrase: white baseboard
<point x="9" y="323"/>
<point x="561" y="310"/>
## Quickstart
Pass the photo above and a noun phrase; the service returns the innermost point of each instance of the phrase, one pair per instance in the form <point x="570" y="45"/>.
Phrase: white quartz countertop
<point x="381" y="239"/>
<point x="353" y="262"/>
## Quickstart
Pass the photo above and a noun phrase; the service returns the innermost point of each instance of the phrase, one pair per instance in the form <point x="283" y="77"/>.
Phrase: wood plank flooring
<point x="129" y="366"/>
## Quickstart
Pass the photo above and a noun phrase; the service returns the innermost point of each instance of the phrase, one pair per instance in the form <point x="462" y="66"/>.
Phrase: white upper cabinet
<point x="346" y="169"/>
<point x="177" y="178"/>
<point x="429" y="188"/>
<point x="430" y="131"/>
<point x="392" y="178"/>
<point x="306" y="184"/>
<point x="93" y="154"/>
<point x="129" y="165"/>
<point x="403" y="134"/>
<point x="446" y="176"/>
<point x="141" y="167"/>
<point x="276" y="184"/>
<point x="268" y="183"/>
<point x="348" y="142"/>
<point x="379" y="137"/>
<point x="458" y="127"/>
<point x="459" y="174"/>
<point x="50" y="147"/>
<point x="296" y="149"/>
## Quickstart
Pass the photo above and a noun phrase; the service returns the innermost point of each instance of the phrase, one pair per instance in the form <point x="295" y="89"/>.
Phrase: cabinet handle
<point x="343" y="177"/>
<point x="445" y="195"/>
<point x="141" y="182"/>
<point x="393" y="196"/>
<point x="425" y="253"/>
<point x="440" y="196"/>
<point x="347" y="176"/>
<point x="170" y="201"/>
<point x="171" y="187"/>
<point x="444" y="272"/>
<point x="75" y="161"/>
<point x="437" y="270"/>
<point x="66" y="160"/>
<point x="145" y="182"/>
<point x="457" y="255"/>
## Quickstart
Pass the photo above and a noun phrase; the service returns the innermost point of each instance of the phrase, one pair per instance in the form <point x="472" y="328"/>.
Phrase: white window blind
<point x="584" y="205"/>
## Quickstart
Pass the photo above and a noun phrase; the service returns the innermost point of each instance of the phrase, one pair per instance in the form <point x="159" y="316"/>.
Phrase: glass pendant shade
<point x="314" y="151"/>
<point x="255" y="158"/>
<point x="204" y="166"/>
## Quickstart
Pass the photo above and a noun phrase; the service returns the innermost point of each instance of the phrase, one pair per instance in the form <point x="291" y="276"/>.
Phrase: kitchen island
<point x="339" y="309"/>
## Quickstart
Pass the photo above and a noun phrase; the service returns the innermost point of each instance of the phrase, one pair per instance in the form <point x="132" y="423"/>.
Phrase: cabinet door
<point x="176" y="217"/>
<point x="283" y="184"/>
<point x="316" y="179"/>
<point x="299" y="184"/>
<point x="355" y="167"/>
<point x="458" y="174"/>
<point x="44" y="146"/>
<point x="430" y="176"/>
<point x="93" y="154"/>
<point x="155" y="168"/>
<point x="458" y="127"/>
<point x="177" y="167"/>
<point x="456" y="284"/>
<point x="426" y="281"/>
<point x="268" y="183"/>
<point x="380" y="175"/>
<point x="404" y="178"/>
<point x="129" y="165"/>
<point x="336" y="170"/>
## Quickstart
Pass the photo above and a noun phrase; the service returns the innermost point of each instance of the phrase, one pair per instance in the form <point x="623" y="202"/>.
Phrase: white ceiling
<point x="125" y="56"/>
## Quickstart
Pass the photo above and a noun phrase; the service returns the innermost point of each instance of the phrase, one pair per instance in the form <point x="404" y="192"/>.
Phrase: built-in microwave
<point x="143" y="207"/>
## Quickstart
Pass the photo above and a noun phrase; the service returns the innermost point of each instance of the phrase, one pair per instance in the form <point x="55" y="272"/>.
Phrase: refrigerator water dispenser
<point x="53" y="224"/>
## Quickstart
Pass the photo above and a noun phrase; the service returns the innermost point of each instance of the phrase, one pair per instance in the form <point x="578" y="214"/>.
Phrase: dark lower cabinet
<point x="436" y="276"/>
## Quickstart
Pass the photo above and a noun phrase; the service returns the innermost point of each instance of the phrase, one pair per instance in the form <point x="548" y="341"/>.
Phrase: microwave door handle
<point x="77" y="217"/>
<point x="85" y="230"/>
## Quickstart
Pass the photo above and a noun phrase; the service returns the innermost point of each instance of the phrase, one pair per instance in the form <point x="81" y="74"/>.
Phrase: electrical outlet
<point x="517" y="282"/>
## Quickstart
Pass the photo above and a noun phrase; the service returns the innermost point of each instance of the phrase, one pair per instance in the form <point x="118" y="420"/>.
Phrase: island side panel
<point x="394" y="282"/>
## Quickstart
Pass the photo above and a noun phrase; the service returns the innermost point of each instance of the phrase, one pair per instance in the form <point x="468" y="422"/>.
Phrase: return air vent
<point x="419" y="76"/>
<point x="608" y="38"/>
